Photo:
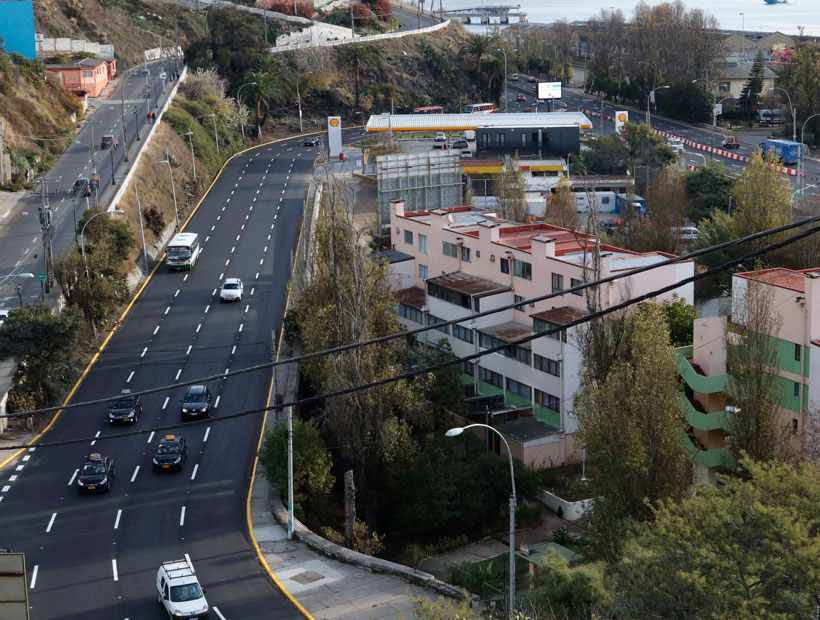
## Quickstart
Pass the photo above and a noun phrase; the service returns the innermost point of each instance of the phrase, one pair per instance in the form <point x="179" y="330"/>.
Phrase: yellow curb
<point x="256" y="547"/>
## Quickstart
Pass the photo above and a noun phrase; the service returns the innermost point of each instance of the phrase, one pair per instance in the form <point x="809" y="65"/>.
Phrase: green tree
<point x="607" y="155"/>
<point x="511" y="194"/>
<point x="42" y="342"/>
<point x="751" y="550"/>
<point x="709" y="189"/>
<point x="559" y="591"/>
<point x="237" y="42"/>
<point x="311" y="462"/>
<point x="477" y="46"/>
<point x="631" y="424"/>
<point x="355" y="54"/>
<point x="262" y="89"/>
<point x="645" y="147"/>
<point x="750" y="94"/>
<point x="445" y="392"/>
<point x="714" y="230"/>
<point x="680" y="319"/>
<point x="801" y="78"/>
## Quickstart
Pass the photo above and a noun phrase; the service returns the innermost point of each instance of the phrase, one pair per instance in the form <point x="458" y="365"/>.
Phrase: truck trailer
<point x="789" y="152"/>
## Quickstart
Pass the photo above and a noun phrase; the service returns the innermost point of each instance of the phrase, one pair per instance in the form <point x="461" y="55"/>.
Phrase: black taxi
<point x="170" y="453"/>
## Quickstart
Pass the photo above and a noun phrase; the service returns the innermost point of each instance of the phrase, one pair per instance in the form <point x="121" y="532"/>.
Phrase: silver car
<point x="231" y="290"/>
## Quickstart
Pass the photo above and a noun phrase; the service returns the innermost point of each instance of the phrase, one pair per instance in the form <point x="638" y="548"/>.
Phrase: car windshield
<point x="179" y="252"/>
<point x="93" y="469"/>
<point x="168" y="448"/>
<point x="188" y="592"/>
<point x="196" y="398"/>
<point x="123" y="403"/>
<point x="231" y="286"/>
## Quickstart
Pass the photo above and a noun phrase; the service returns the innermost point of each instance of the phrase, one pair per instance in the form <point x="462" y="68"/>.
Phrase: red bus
<point x="430" y="109"/>
<point x="470" y="108"/>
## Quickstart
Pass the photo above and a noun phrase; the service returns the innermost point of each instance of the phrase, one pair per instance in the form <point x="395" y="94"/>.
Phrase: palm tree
<point x="265" y="89"/>
<point x="476" y="45"/>
<point x="355" y="54"/>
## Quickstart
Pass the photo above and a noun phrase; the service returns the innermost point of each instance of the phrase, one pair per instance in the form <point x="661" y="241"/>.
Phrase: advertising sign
<point x="620" y="118"/>
<point x="718" y="109"/>
<point x="549" y="90"/>
<point x="334" y="135"/>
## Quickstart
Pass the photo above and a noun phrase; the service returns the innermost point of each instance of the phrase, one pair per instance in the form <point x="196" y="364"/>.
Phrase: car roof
<point x="232" y="281"/>
<point x="179" y="571"/>
<point x="171" y="439"/>
<point x="196" y="389"/>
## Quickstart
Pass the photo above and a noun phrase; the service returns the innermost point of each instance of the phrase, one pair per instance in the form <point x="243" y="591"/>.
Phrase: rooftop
<point x="391" y="256"/>
<point x="454" y="122"/>
<point x="467" y="284"/>
<point x="412" y="296"/>
<point x="526" y="429"/>
<point x="779" y="276"/>
<point x="509" y="331"/>
<point x="741" y="71"/>
<point x="560" y="316"/>
<point x="83" y="63"/>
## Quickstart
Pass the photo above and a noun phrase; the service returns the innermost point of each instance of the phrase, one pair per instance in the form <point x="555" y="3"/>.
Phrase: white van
<point x="179" y="592"/>
<point x="687" y="233"/>
<point x="676" y="144"/>
<point x="469" y="135"/>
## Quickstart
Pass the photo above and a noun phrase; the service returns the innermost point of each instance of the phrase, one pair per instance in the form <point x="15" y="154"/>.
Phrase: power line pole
<point x="47" y="231"/>
<point x="122" y="113"/>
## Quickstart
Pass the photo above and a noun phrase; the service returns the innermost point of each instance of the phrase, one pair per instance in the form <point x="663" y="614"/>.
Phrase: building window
<point x="573" y="283"/>
<point x="485" y="341"/>
<point x="485" y="140"/>
<point x="519" y="389"/>
<point x="423" y="272"/>
<point x="408" y="237"/>
<point x="522" y="269"/>
<point x="524" y="140"/>
<point x="463" y="333"/>
<point x="433" y="320"/>
<point x="548" y="400"/>
<point x="518" y="299"/>
<point x="468" y="368"/>
<point x="445" y="294"/>
<point x="505" y="265"/>
<point x="796" y="390"/>
<point x="465" y="254"/>
<point x="797" y="352"/>
<point x="488" y="376"/>
<point x="502" y="140"/>
<point x="450" y="249"/>
<point x="87" y="74"/>
<point x="605" y="200"/>
<point x="545" y="364"/>
<point x="411" y="314"/>
<point x="540" y="326"/>
<point x="423" y="244"/>
<point x="557" y="283"/>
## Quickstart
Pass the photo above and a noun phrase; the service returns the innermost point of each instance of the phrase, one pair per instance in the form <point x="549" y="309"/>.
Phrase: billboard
<point x="17" y="27"/>
<point x="620" y="118"/>
<point x="549" y="90"/>
<point x="334" y="135"/>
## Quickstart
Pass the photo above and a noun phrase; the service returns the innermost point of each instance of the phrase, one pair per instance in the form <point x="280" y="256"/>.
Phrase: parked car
<point x="441" y="136"/>
<point x="466" y="154"/>
<point x="441" y="146"/>
<point x="108" y="140"/>
<point x="4" y="314"/>
<point x="461" y="144"/>
<point x="520" y="98"/>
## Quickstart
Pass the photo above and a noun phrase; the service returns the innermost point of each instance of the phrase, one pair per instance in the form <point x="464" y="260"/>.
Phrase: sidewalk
<point x="328" y="589"/>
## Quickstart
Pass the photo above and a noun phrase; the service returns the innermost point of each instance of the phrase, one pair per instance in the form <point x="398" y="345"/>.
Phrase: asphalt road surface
<point x="96" y="556"/>
<point x="20" y="239"/>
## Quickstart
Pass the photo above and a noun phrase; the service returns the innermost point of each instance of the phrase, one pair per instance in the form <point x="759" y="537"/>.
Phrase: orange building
<point x="88" y="76"/>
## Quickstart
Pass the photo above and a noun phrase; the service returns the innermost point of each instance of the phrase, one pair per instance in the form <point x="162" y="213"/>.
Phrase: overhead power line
<point x="458" y="360"/>
<point x="403" y="334"/>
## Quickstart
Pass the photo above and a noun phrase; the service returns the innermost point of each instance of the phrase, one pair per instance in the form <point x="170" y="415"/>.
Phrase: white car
<point x="4" y="314"/>
<point x="231" y="290"/>
<point x="179" y="592"/>
<point x="441" y="137"/>
<point x="676" y="144"/>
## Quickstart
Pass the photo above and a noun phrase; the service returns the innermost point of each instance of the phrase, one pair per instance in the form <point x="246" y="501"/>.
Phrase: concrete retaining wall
<point x="359" y="39"/>
<point x="571" y="511"/>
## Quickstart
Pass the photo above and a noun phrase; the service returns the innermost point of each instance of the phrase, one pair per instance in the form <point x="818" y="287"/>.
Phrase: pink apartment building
<point x="88" y="76"/>
<point x="795" y="299"/>
<point x="450" y="263"/>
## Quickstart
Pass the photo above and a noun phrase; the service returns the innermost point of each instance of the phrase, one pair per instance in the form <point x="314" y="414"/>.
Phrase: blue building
<point x="17" y="26"/>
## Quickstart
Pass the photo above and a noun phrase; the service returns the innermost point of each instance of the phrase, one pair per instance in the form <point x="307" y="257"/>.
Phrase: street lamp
<point x="238" y="106"/>
<point x="216" y="135"/>
<point x="82" y="234"/>
<point x="190" y="141"/>
<point x="455" y="432"/>
<point x="798" y="191"/>
<point x="299" y="99"/>
<point x="19" y="287"/>
<point x="499" y="49"/>
<point x="793" y="111"/>
<point x="649" y="101"/>
<point x="173" y="189"/>
<point x="802" y="162"/>
<point x="142" y="229"/>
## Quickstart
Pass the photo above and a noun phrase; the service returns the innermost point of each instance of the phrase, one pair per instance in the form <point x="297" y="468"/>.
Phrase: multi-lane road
<point x="20" y="239"/>
<point x="97" y="556"/>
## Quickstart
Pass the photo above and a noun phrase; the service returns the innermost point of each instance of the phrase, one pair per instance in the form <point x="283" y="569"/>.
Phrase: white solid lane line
<point x="70" y="482"/>
<point x="219" y="613"/>
<point x="51" y="522"/>
<point x="117" y="520"/>
<point x="134" y="475"/>
<point x="97" y="435"/>
<point x="150" y="437"/>
<point x="193" y="473"/>
<point x="182" y="517"/>
<point x="114" y="568"/>
<point x="33" y="581"/>
<point x="165" y="404"/>
<point x="208" y="430"/>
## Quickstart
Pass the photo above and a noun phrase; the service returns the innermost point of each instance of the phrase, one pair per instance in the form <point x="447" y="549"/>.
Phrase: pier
<point x="488" y="15"/>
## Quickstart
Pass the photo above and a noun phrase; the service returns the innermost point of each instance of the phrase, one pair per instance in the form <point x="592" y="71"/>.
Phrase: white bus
<point x="183" y="251"/>
<point x="472" y="108"/>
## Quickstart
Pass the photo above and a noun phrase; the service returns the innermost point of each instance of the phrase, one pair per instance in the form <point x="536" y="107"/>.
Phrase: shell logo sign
<point x="334" y="136"/>
<point x="334" y="122"/>
<point x="620" y="119"/>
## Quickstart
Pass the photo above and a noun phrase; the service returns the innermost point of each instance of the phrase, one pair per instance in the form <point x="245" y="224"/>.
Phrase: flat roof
<point x="391" y="256"/>
<point x="83" y="63"/>
<point x="523" y="430"/>
<point x="455" y="122"/>
<point x="779" y="276"/>
<point x="412" y="296"/>
<point x="467" y="284"/>
<point x="560" y="316"/>
<point x="509" y="331"/>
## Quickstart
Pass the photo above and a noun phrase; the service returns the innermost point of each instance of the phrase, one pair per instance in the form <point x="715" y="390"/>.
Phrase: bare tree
<point x="561" y="209"/>
<point x="511" y="193"/>
<point x="667" y="206"/>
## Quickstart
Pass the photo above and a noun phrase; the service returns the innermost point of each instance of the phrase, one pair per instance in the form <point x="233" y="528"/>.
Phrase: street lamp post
<point x="799" y="191"/>
<point x="216" y="135"/>
<point x="649" y="101"/>
<point x="499" y="49"/>
<point x="239" y="106"/>
<point x="190" y="141"/>
<point x="82" y="234"/>
<point x="793" y="111"/>
<point x="299" y="100"/>
<point x="454" y="432"/>
<point x="173" y="189"/>
<point x="802" y="176"/>
<point x="142" y="229"/>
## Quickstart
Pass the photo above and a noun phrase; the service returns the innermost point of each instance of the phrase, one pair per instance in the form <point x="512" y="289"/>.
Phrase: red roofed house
<point x="88" y="76"/>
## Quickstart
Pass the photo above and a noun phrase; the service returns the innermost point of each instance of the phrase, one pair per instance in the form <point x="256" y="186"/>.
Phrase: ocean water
<point x="756" y="15"/>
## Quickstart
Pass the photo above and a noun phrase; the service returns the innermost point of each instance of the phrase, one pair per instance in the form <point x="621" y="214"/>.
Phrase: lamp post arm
<point x="507" y="445"/>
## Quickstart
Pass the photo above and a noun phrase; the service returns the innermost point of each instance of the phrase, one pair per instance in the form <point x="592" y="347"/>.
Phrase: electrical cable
<point x="457" y="360"/>
<point x="380" y="339"/>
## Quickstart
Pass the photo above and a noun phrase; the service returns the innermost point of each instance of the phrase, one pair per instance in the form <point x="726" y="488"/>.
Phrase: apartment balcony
<point x="695" y="377"/>
<point x="700" y="419"/>
<point x="719" y="457"/>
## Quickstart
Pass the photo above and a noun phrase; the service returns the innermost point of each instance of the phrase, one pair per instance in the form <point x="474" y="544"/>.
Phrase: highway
<point x="96" y="556"/>
<point x="20" y="239"/>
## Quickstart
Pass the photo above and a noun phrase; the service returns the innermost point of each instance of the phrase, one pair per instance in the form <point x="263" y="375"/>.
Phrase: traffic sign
<point x="41" y="277"/>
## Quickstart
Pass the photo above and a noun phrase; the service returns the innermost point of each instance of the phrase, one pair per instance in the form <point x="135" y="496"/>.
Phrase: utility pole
<point x="47" y="231"/>
<point x="290" y="473"/>
<point x="122" y="114"/>
<point x="3" y="172"/>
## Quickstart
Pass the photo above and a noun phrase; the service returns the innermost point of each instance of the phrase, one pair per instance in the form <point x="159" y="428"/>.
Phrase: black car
<point x="125" y="409"/>
<point x="96" y="474"/>
<point x="197" y="403"/>
<point x="82" y="187"/>
<point x="314" y="141"/>
<point x="170" y="453"/>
